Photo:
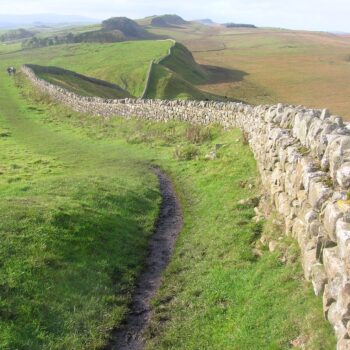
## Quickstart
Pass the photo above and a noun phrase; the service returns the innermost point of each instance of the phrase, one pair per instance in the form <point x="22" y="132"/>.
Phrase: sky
<point x="323" y="15"/>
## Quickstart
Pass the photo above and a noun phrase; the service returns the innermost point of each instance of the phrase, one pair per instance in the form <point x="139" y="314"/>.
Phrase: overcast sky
<point x="299" y="14"/>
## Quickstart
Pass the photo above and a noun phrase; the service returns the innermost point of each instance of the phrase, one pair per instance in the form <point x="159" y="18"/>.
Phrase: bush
<point x="186" y="152"/>
<point x="198" y="134"/>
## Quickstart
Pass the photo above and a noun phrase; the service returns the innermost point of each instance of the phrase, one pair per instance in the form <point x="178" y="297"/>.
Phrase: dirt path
<point x="169" y="224"/>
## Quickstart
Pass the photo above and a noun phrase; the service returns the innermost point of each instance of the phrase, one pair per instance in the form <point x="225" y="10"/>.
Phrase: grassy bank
<point x="75" y="219"/>
<point x="217" y="293"/>
<point x="125" y="64"/>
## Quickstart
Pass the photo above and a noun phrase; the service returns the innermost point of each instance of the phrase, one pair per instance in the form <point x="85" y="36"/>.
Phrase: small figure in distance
<point x="11" y="71"/>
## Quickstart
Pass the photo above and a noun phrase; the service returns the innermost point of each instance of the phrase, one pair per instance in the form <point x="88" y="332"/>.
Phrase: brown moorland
<point x="272" y="65"/>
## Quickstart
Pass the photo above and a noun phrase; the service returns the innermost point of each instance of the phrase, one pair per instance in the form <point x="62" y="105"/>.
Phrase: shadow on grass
<point x="219" y="75"/>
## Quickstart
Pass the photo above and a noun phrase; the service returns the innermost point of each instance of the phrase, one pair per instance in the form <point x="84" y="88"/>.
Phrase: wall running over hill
<point x="303" y="156"/>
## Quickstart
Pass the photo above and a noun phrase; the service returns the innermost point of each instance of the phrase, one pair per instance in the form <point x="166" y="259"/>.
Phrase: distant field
<point x="125" y="64"/>
<point x="277" y="65"/>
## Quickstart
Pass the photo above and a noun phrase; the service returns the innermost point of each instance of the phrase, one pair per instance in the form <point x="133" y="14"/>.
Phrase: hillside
<point x="16" y="34"/>
<point x="78" y="83"/>
<point x="206" y="22"/>
<point x="112" y="30"/>
<point x="125" y="64"/>
<point x="176" y="75"/>
<point x="167" y="84"/>
<point x="272" y="65"/>
<point x="82" y="196"/>
<point x="167" y="21"/>
<point x="129" y="28"/>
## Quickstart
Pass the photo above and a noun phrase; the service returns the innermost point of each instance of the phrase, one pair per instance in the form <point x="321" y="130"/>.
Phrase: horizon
<point x="314" y="15"/>
<point x="92" y="20"/>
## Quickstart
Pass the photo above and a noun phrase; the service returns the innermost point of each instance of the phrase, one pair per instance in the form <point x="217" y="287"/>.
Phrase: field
<point x="79" y="84"/>
<point x="125" y="64"/>
<point x="79" y="200"/>
<point x="273" y="65"/>
<point x="61" y="298"/>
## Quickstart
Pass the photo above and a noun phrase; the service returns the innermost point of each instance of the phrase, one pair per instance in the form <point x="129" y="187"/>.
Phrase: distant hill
<point x="16" y="21"/>
<point x="16" y="34"/>
<point x="113" y="30"/>
<point x="129" y="28"/>
<point x="239" y="25"/>
<point x="167" y="21"/>
<point x="206" y="22"/>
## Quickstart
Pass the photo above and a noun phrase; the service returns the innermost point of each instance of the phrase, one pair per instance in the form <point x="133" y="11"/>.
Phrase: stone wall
<point x="303" y="156"/>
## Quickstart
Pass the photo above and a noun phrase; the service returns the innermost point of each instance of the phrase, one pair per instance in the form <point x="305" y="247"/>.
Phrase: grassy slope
<point x="181" y="61"/>
<point x="175" y="76"/>
<point x="75" y="218"/>
<point x="216" y="294"/>
<point x="82" y="86"/>
<point x="166" y="84"/>
<point x="125" y="64"/>
<point x="281" y="66"/>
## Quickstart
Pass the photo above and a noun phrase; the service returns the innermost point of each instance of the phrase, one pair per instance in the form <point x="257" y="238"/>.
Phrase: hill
<point x="176" y="76"/>
<point x="167" y="21"/>
<point x="272" y="65"/>
<point x="78" y="83"/>
<point x="116" y="29"/>
<point x="16" y="34"/>
<point x="206" y="22"/>
<point x="125" y="64"/>
<point x="239" y="25"/>
<point x="129" y="28"/>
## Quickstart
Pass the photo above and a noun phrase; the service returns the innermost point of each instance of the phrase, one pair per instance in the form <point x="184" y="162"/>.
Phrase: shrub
<point x="198" y="134"/>
<point x="186" y="152"/>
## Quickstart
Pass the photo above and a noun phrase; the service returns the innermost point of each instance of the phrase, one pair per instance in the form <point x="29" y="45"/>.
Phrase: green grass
<point x="79" y="84"/>
<point x="216" y="294"/>
<point x="166" y="84"/>
<point x="125" y="64"/>
<point x="181" y="61"/>
<point x="75" y="219"/>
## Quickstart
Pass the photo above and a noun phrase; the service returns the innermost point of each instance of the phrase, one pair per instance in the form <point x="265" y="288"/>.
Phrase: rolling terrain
<point x="272" y="65"/>
<point x="174" y="73"/>
<point x="79" y="84"/>
<point x="124" y="64"/>
<point x="75" y="170"/>
<point x="79" y="199"/>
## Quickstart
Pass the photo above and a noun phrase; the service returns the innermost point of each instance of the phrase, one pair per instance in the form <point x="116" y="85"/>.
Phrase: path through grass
<point x="77" y="206"/>
<point x="216" y="293"/>
<point x="75" y="218"/>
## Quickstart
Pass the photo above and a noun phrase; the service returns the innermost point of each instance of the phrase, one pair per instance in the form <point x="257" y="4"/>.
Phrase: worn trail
<point x="130" y="335"/>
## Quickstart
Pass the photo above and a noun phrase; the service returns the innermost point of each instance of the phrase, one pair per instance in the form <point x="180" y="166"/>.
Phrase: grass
<point x="125" y="64"/>
<point x="166" y="84"/>
<point x="216" y="293"/>
<point x="76" y="215"/>
<point x="296" y="67"/>
<point x="181" y="61"/>
<point x="79" y="84"/>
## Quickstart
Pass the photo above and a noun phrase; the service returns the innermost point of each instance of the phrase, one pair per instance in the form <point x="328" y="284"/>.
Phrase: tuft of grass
<point x="187" y="152"/>
<point x="198" y="134"/>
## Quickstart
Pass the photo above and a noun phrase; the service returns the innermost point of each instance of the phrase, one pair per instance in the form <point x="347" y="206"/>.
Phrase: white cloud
<point x="304" y="14"/>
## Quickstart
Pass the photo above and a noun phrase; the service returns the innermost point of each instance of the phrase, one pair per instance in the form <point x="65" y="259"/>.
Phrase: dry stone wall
<point x="303" y="156"/>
